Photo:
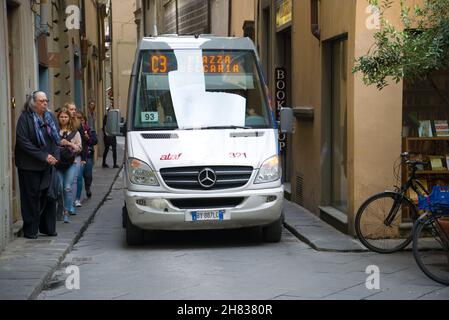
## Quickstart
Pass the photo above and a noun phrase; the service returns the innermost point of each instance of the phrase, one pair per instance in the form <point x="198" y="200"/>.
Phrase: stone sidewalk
<point x="316" y="233"/>
<point x="26" y="265"/>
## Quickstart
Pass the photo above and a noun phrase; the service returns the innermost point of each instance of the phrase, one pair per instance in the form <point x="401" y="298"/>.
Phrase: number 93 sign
<point x="148" y="117"/>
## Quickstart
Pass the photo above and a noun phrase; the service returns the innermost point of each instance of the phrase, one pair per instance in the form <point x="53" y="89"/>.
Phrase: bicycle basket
<point x="437" y="201"/>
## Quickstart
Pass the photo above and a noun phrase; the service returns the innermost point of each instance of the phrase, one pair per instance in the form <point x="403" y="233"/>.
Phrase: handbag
<point x="67" y="155"/>
<point x="55" y="189"/>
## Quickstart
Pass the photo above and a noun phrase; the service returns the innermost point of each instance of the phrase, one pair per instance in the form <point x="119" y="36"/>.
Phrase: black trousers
<point x="87" y="173"/>
<point x="110" y="142"/>
<point x="38" y="213"/>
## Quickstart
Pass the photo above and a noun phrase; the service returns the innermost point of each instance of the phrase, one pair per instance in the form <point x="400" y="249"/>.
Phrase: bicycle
<point x="431" y="238"/>
<point x="378" y="220"/>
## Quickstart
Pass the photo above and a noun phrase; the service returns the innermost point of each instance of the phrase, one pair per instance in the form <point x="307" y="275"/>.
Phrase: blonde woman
<point x="79" y="161"/>
<point x="70" y="147"/>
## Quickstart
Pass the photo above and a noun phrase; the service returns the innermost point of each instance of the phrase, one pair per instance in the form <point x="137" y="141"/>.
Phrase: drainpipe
<point x="144" y="17"/>
<point x="315" y="28"/>
<point x="177" y="17"/>
<point x="155" y="31"/>
<point x="229" y="17"/>
<point x="44" y="13"/>
<point x="209" y="22"/>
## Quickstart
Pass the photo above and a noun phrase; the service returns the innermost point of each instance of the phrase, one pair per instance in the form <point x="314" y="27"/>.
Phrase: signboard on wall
<point x="283" y="12"/>
<point x="281" y="101"/>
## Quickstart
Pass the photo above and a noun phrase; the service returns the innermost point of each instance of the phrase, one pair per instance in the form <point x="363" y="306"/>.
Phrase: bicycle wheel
<point x="371" y="226"/>
<point x="431" y="250"/>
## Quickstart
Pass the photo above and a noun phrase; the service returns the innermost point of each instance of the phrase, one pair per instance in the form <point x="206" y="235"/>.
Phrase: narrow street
<point x="222" y="265"/>
<point x="325" y="122"/>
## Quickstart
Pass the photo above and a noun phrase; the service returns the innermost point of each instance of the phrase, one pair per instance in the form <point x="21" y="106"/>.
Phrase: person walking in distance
<point x="109" y="141"/>
<point x="36" y="151"/>
<point x="84" y="139"/>
<point x="91" y="116"/>
<point x="70" y="147"/>
<point x="87" y="155"/>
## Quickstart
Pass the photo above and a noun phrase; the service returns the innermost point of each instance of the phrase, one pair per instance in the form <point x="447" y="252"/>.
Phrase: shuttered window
<point x="191" y="17"/>
<point x="170" y="17"/>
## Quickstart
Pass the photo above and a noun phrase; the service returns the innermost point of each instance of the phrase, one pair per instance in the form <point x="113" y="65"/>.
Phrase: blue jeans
<point x="67" y="177"/>
<point x="75" y="178"/>
<point x="79" y="182"/>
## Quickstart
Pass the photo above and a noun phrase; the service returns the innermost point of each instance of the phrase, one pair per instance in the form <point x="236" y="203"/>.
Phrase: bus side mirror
<point x="286" y="120"/>
<point x="113" y="123"/>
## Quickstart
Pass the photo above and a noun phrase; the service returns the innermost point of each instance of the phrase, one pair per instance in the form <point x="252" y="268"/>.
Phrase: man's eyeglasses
<point x="43" y="100"/>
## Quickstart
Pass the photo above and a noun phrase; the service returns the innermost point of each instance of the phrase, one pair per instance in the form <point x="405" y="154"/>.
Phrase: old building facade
<point x="41" y="49"/>
<point x="18" y="76"/>
<point x="123" y="50"/>
<point x="347" y="135"/>
<point x="218" y="17"/>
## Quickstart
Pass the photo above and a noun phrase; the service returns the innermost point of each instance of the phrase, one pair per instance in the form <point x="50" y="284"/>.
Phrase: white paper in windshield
<point x="196" y="108"/>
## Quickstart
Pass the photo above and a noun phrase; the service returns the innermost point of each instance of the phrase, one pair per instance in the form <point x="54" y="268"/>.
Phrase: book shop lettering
<point x="281" y="101"/>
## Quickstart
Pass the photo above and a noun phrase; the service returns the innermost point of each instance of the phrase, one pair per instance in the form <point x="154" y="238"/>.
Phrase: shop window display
<point x="426" y="127"/>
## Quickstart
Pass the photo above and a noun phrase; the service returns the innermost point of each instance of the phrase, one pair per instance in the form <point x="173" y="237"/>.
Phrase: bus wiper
<point x="218" y="127"/>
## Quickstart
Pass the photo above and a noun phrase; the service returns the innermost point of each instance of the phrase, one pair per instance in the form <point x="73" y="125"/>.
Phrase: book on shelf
<point x="447" y="161"/>
<point x="436" y="163"/>
<point x="425" y="129"/>
<point x="441" y="128"/>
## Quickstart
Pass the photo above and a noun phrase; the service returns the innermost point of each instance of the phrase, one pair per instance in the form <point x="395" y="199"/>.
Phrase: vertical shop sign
<point x="281" y="102"/>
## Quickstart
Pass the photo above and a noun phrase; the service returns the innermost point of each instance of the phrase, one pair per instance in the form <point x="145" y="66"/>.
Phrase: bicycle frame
<point x="411" y="183"/>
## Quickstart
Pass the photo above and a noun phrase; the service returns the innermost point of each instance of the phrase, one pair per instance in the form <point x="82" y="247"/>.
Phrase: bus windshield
<point x="198" y="89"/>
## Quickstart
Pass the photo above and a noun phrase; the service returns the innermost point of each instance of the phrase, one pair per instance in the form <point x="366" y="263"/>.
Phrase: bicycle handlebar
<point x="415" y="163"/>
<point x="412" y="163"/>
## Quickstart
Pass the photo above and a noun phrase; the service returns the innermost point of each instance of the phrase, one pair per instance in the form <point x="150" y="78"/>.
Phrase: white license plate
<point x="211" y="215"/>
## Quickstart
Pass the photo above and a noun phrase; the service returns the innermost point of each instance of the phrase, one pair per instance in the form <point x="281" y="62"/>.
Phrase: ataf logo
<point x="171" y="157"/>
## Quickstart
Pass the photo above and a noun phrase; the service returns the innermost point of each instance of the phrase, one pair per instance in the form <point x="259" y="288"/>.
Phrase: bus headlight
<point x="269" y="171"/>
<point x="141" y="173"/>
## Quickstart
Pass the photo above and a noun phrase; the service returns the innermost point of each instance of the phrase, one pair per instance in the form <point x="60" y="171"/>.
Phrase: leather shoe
<point x="30" y="237"/>
<point x="52" y="234"/>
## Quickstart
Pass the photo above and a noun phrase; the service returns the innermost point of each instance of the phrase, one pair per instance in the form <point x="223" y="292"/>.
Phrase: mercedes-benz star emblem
<point x="207" y="178"/>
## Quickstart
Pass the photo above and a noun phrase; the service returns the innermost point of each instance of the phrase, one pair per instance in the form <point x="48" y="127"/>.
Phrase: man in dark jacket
<point x="89" y="165"/>
<point x="109" y="141"/>
<point x="36" y="150"/>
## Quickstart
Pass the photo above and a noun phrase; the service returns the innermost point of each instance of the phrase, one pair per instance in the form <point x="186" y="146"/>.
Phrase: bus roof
<point x="205" y="42"/>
